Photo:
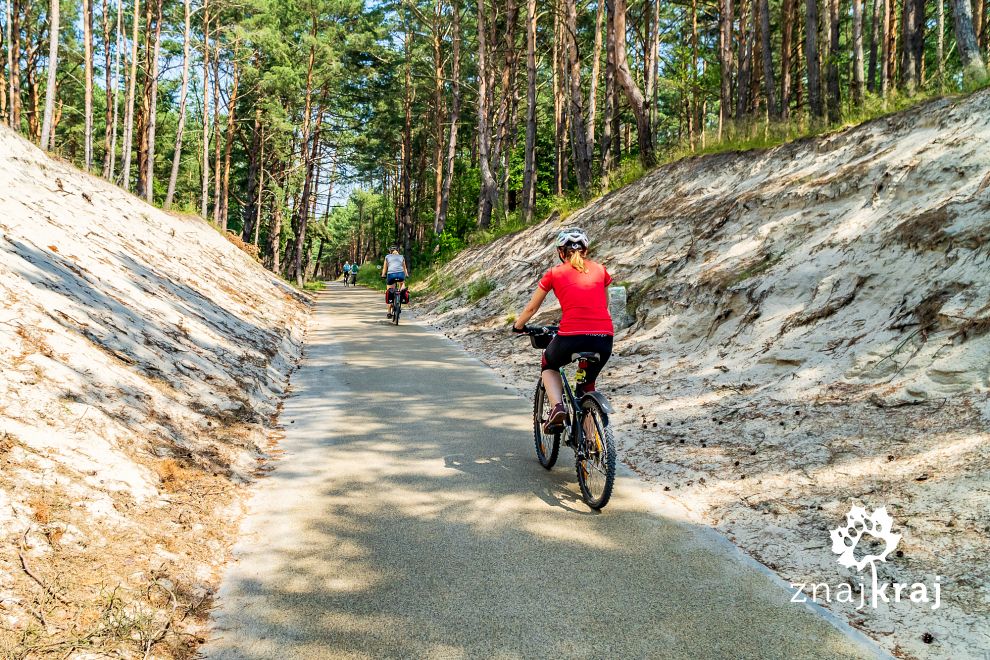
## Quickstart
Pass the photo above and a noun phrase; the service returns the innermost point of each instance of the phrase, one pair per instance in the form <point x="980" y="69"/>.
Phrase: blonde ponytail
<point x="577" y="261"/>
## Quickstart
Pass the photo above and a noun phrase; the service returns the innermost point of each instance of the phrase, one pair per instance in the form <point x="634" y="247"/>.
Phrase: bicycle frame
<point x="396" y="298"/>
<point x="576" y="432"/>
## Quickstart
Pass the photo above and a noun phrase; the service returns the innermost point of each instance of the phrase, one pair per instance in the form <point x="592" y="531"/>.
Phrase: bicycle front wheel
<point x="547" y="444"/>
<point x="596" y="471"/>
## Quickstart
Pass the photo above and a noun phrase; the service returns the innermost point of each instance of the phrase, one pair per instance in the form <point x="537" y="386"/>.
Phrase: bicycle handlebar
<point x="540" y="330"/>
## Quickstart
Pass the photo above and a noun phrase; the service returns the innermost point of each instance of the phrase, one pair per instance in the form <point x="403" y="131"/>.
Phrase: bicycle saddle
<point x="591" y="357"/>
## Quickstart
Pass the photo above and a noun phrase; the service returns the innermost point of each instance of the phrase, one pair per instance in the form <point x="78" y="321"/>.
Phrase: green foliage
<point x="479" y="288"/>
<point x="370" y="275"/>
<point x="314" y="285"/>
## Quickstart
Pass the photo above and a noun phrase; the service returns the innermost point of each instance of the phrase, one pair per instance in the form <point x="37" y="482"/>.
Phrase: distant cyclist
<point x="395" y="270"/>
<point x="347" y="271"/>
<point x="580" y="286"/>
<point x="354" y="271"/>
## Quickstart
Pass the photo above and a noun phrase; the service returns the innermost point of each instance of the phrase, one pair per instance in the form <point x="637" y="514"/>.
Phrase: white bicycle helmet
<point x="572" y="236"/>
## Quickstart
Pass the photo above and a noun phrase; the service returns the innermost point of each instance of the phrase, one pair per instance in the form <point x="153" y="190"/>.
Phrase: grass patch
<point x="480" y="288"/>
<point x="370" y="275"/>
<point x="314" y="285"/>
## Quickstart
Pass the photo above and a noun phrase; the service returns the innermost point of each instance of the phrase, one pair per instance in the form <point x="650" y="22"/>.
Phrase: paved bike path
<point x="408" y="518"/>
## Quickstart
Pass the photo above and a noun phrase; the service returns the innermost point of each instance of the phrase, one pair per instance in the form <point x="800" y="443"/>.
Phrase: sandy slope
<point x="142" y="361"/>
<point x="810" y="331"/>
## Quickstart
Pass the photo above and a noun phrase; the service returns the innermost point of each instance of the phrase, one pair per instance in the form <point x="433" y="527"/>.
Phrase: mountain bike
<point x="587" y="431"/>
<point x="347" y="277"/>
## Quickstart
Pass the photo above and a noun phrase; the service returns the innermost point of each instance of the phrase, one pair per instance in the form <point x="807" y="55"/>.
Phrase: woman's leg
<point x="554" y="386"/>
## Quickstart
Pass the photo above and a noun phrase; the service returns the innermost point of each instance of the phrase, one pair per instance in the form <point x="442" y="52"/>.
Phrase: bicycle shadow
<point x="558" y="491"/>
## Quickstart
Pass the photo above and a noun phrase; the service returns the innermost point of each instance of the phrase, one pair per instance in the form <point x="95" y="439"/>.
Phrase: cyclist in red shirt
<point x="580" y="286"/>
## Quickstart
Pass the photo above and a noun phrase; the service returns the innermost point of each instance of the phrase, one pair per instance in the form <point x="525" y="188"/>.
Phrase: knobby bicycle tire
<point x="599" y="461"/>
<point x="547" y="446"/>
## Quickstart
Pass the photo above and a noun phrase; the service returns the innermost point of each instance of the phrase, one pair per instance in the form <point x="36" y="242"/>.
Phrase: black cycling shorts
<point x="562" y="347"/>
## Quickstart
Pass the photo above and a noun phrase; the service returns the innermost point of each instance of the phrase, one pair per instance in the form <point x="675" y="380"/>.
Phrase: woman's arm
<point x="405" y="266"/>
<point x="532" y="307"/>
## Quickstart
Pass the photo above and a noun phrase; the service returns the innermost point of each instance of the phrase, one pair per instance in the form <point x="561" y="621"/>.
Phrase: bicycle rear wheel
<point x="396" y="307"/>
<point x="547" y="444"/>
<point x="596" y="471"/>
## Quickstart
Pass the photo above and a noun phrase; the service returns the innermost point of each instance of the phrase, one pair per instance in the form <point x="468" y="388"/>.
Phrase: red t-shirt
<point x="582" y="297"/>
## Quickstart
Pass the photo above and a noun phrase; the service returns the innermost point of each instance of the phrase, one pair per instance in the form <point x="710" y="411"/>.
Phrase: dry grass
<point x="144" y="599"/>
<point x="7" y="442"/>
<point x="32" y="342"/>
<point x="248" y="248"/>
<point x="41" y="508"/>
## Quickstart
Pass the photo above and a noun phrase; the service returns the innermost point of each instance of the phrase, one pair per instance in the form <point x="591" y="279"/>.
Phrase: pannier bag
<point x="405" y="296"/>
<point x="388" y="296"/>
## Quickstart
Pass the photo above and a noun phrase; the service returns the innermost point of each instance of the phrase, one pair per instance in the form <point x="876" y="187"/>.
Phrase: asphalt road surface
<point x="408" y="518"/>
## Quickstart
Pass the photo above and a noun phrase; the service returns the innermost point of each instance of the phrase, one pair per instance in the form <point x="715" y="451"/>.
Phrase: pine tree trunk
<point x="250" y="211"/>
<point x="875" y="32"/>
<point x="308" y="194"/>
<point x="769" y="85"/>
<point x="87" y="19"/>
<point x="633" y="94"/>
<point x="725" y="20"/>
<point x="14" y="52"/>
<point x="596" y="65"/>
<point x="405" y="218"/>
<point x="886" y="54"/>
<point x="13" y="83"/>
<point x="857" y="81"/>
<point x="504" y="119"/>
<point x="53" y="31"/>
<point x="579" y="134"/>
<point x="698" y="118"/>
<point x="127" y="145"/>
<point x="909" y="31"/>
<point x="109" y="87"/>
<point x="651" y="51"/>
<point x="229" y="144"/>
<point x="261" y="188"/>
<point x="205" y="167"/>
<point x="486" y="201"/>
<point x="438" y="111"/>
<point x="811" y="56"/>
<point x="183" y="99"/>
<point x="610" y="130"/>
<point x="529" y="165"/>
<point x="940" y="46"/>
<point x="832" y="69"/>
<point x="301" y="209"/>
<point x="455" y="112"/>
<point x="143" y="111"/>
<point x="118" y="58"/>
<point x="789" y="10"/>
<point x="149" y="176"/>
<point x="559" y="162"/>
<point x="969" y="50"/>
<point x="979" y="24"/>
<point x="747" y="27"/>
<point x="217" y="147"/>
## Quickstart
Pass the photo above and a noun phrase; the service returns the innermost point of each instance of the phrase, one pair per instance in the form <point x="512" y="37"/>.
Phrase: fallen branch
<point x="31" y="574"/>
